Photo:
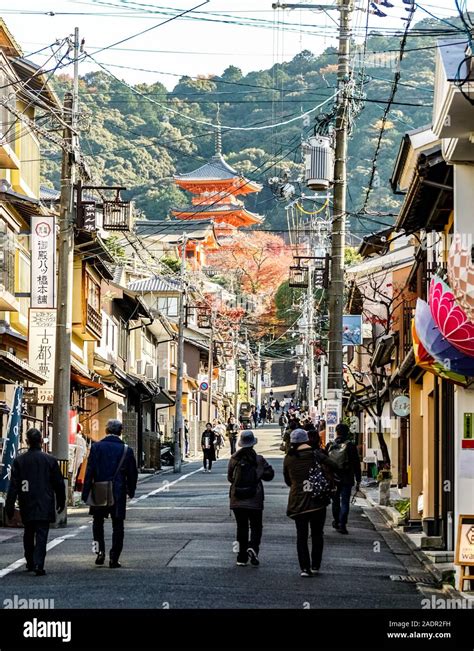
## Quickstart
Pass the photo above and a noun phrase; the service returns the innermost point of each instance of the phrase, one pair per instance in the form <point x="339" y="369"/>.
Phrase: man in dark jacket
<point x="232" y="431"/>
<point x="35" y="480"/>
<point x="208" y="447"/>
<point x="104" y="459"/>
<point x="248" y="510"/>
<point x="344" y="453"/>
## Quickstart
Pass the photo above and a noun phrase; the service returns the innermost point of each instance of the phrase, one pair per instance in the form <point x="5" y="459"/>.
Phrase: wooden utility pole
<point x="210" y="367"/>
<point x="336" y="287"/>
<point x="62" y="367"/>
<point x="178" y="425"/>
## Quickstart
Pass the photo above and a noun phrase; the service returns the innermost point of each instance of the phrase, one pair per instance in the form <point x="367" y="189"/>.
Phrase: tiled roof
<point x="215" y="208"/>
<point x="168" y="229"/>
<point x="215" y="169"/>
<point x="155" y="284"/>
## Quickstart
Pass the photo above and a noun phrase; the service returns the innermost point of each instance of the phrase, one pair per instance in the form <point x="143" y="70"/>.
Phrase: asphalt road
<point x="179" y="554"/>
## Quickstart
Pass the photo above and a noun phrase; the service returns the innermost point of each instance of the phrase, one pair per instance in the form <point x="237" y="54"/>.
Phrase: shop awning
<point x="13" y="369"/>
<point x="164" y="399"/>
<point x="113" y="396"/>
<point x="85" y="381"/>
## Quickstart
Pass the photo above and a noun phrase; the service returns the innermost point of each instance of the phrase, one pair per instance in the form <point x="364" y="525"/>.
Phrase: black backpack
<point x="245" y="480"/>
<point x="320" y="482"/>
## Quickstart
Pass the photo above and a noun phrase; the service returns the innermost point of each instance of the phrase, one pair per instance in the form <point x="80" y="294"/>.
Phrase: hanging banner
<point x="43" y="262"/>
<point x="42" y="350"/>
<point x="13" y="436"/>
<point x="352" y="330"/>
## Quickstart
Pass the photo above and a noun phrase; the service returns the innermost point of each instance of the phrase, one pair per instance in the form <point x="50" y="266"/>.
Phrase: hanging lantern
<point x="299" y="277"/>
<point x="319" y="162"/>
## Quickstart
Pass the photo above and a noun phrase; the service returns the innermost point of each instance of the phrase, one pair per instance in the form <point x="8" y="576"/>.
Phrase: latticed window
<point x="7" y="258"/>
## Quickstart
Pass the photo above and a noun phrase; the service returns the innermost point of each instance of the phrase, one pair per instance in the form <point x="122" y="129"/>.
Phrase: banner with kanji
<point x="12" y="439"/>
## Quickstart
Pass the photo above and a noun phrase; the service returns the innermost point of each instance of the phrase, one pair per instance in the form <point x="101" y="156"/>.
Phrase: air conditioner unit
<point x="164" y="382"/>
<point x="150" y="371"/>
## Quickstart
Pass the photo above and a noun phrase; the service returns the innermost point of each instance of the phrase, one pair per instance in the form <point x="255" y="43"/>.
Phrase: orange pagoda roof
<point x="235" y="215"/>
<point x="214" y="176"/>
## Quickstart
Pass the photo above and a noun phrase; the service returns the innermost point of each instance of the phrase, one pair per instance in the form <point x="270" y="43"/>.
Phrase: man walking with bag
<point x="35" y="480"/>
<point x="111" y="475"/>
<point x="343" y="452"/>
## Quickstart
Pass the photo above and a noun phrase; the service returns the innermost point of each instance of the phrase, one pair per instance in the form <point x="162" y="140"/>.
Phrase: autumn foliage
<point x="259" y="261"/>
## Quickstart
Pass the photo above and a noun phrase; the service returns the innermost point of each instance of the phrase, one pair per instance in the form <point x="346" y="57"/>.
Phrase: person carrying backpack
<point x="245" y="472"/>
<point x="343" y="452"/>
<point x="309" y="474"/>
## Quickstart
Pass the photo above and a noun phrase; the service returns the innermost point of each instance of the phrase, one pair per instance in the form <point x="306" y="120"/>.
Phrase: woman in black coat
<point x="307" y="511"/>
<point x="208" y="440"/>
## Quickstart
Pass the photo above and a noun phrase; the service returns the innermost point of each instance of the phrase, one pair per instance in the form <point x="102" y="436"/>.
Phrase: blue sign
<point x="11" y="446"/>
<point x="352" y="330"/>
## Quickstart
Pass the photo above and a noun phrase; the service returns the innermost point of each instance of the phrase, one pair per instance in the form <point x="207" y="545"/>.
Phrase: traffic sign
<point x="204" y="386"/>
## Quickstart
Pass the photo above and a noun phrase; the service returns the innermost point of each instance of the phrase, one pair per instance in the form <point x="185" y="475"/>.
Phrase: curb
<point x="417" y="553"/>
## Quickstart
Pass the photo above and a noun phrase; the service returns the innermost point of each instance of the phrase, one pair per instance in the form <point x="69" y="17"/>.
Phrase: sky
<point x="188" y="46"/>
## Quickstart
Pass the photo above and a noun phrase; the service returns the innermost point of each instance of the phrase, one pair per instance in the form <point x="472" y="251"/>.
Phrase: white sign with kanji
<point x="42" y="350"/>
<point x="43" y="262"/>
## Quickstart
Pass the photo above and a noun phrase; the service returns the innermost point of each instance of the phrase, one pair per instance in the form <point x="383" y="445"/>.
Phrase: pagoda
<point x="215" y="187"/>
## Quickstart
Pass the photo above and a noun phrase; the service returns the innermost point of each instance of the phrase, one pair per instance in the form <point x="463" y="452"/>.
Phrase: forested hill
<point x="135" y="142"/>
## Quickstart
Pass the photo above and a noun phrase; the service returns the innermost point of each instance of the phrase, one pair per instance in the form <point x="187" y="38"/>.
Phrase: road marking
<point x="165" y="487"/>
<point x="53" y="543"/>
<point x="60" y="539"/>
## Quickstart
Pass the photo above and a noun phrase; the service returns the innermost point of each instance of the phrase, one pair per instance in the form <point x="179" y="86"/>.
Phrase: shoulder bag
<point x="102" y="492"/>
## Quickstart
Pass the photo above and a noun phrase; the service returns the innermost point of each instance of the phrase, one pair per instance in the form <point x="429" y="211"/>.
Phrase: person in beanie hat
<point x="245" y="473"/>
<point x="308" y="511"/>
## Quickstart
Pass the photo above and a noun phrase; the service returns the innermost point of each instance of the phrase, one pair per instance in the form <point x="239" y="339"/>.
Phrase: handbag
<point x="102" y="492"/>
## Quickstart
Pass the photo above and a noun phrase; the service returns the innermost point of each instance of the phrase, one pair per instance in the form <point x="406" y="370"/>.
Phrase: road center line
<point x="60" y="539"/>
<point x="52" y="543"/>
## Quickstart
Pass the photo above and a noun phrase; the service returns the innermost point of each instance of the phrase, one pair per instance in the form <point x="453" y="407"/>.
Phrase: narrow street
<point x="179" y="554"/>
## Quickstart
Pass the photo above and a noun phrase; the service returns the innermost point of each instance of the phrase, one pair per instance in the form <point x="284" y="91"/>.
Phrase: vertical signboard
<point x="333" y="416"/>
<point x="42" y="350"/>
<point x="43" y="258"/>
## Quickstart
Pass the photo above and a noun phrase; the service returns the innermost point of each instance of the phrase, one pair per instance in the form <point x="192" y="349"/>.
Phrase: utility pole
<point x="258" y="381"/>
<point x="178" y="425"/>
<point x="247" y="363"/>
<point x="62" y="366"/>
<point x="336" y="287"/>
<point x="311" y="378"/>
<point x="210" y="367"/>
<point x="236" y="371"/>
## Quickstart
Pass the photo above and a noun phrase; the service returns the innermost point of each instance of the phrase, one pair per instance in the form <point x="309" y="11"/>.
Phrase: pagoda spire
<point x="218" y="132"/>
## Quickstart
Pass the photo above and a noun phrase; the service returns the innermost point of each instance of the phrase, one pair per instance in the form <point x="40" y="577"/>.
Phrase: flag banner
<point x="13" y="436"/>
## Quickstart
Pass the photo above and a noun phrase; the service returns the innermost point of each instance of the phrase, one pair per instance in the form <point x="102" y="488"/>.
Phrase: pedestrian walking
<point x="245" y="472"/>
<point x="219" y="430"/>
<point x="232" y="433"/>
<point x="35" y="481"/>
<point x="186" y="438"/>
<point x="277" y="405"/>
<point x="255" y="416"/>
<point x="208" y="441"/>
<point x="308" y="473"/>
<point x="263" y="414"/>
<point x="343" y="452"/>
<point x="111" y="462"/>
<point x="282" y="422"/>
